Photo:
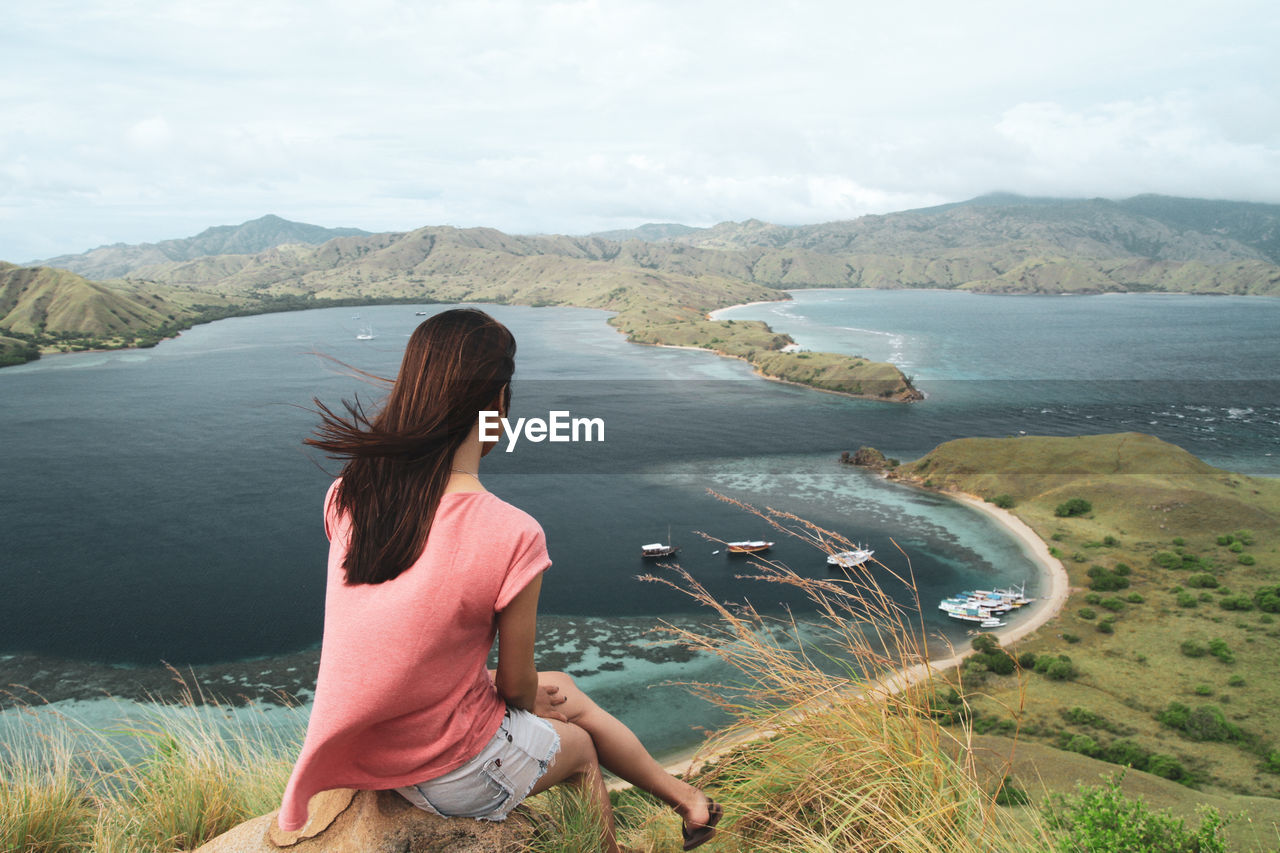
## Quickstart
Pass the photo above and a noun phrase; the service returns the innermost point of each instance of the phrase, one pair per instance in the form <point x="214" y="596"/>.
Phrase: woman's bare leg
<point x="577" y="764"/>
<point x="621" y="752"/>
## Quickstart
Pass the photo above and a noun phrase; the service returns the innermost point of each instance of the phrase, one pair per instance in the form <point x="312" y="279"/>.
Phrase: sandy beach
<point x="715" y="315"/>
<point x="1049" y="605"/>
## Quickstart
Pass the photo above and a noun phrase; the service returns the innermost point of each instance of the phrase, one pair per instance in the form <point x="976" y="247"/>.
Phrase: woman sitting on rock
<point x="425" y="567"/>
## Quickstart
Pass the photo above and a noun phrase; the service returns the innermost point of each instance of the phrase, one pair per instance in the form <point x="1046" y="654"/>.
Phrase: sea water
<point x="159" y="504"/>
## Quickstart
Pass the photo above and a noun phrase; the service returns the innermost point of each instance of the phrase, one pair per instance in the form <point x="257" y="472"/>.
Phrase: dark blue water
<point x="159" y="504"/>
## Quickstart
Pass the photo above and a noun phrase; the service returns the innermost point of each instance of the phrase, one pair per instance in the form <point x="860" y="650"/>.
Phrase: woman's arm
<point x="517" y="677"/>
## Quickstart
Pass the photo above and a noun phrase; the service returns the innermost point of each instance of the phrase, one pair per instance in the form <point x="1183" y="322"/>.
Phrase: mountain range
<point x="659" y="275"/>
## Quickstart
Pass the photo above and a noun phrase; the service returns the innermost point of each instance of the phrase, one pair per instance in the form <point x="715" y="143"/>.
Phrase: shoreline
<point x="1047" y="607"/>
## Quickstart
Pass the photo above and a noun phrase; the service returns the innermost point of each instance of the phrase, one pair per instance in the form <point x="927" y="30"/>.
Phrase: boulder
<point x="347" y="821"/>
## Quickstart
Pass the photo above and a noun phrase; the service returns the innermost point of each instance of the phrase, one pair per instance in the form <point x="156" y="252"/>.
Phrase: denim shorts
<point x="493" y="783"/>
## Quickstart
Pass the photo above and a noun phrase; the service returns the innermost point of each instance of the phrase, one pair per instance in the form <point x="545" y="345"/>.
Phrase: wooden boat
<point x="749" y="546"/>
<point x="657" y="549"/>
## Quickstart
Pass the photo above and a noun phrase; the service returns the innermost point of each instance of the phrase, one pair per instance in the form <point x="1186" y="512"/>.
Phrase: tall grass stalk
<point x="833" y="747"/>
<point x="168" y="780"/>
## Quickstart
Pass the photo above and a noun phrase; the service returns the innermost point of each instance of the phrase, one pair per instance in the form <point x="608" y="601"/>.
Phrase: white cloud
<point x="150" y="119"/>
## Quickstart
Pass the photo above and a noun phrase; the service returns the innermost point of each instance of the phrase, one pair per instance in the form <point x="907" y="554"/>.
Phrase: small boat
<point x="420" y="314"/>
<point x="750" y="546"/>
<point x="657" y="549"/>
<point x="366" y="334"/>
<point x="849" y="559"/>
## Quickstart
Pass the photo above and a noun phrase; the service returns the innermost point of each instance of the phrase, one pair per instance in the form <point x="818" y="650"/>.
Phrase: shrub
<point x="1087" y="613"/>
<point x="1179" y="541"/>
<point x="1027" y="660"/>
<point x="1226" y="539"/>
<point x="1127" y="753"/>
<point x="1071" y="638"/>
<point x="1203" y="581"/>
<point x="1166" y="767"/>
<point x="1194" y="648"/>
<point x="1236" y="602"/>
<point x="1236" y="547"/>
<point x="1115" y="605"/>
<point x="1186" y="599"/>
<point x="1244" y="537"/>
<point x="1003" y="501"/>
<point x="1011" y="795"/>
<point x="1134" y="598"/>
<point x="1167" y="560"/>
<point x="1122" y="569"/>
<point x="1220" y="650"/>
<point x="1100" y="819"/>
<point x="1061" y="670"/>
<point x="1082" y="744"/>
<point x="1073" y="507"/>
<point x="1203" y="690"/>
<point x="1092" y="598"/>
<point x="1272" y="762"/>
<point x="1236" y="681"/>
<point x="1268" y="599"/>
<point x="985" y="643"/>
<point x="1107" y="626"/>
<point x="1247" y="560"/>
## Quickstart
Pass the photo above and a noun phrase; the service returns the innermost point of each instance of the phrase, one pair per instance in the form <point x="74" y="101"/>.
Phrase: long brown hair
<point x="397" y="460"/>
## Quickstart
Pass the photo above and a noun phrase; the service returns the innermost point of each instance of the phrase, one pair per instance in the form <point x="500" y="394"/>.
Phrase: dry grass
<point x="173" y="779"/>
<point x="832" y="750"/>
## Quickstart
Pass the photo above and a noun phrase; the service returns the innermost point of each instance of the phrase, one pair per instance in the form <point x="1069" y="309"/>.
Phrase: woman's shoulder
<point x="492" y="508"/>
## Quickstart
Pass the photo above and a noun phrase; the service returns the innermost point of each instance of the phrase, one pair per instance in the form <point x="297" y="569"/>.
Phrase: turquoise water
<point x="159" y="505"/>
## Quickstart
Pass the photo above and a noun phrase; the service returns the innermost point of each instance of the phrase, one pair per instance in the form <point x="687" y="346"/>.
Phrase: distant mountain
<point x="256" y="235"/>
<point x="653" y="232"/>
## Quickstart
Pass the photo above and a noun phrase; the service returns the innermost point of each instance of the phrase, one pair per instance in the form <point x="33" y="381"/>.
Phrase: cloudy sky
<point x="140" y="120"/>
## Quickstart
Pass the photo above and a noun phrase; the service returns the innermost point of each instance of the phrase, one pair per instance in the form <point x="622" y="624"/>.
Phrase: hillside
<point x="1171" y="627"/>
<point x="119" y="260"/>
<point x="1011" y="244"/>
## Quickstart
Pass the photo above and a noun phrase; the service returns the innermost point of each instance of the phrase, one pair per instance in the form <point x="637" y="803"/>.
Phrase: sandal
<point x="697" y="837"/>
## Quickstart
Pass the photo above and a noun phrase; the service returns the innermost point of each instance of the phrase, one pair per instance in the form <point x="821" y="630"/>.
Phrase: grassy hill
<point x="249" y="237"/>
<point x="1168" y="627"/>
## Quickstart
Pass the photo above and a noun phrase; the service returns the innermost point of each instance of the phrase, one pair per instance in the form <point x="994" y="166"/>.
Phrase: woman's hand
<point x="548" y="698"/>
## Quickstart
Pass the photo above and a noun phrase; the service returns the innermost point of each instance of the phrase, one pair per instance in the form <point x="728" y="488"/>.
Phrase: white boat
<point x="658" y="549"/>
<point x="849" y="559"/>
<point x="748" y="546"/>
<point x="366" y="334"/>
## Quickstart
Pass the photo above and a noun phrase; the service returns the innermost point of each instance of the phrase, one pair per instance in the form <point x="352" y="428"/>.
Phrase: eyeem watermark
<point x="559" y="426"/>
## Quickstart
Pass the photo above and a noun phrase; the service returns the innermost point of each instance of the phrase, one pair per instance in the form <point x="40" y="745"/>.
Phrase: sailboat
<point x="657" y="549"/>
<point x="366" y="334"/>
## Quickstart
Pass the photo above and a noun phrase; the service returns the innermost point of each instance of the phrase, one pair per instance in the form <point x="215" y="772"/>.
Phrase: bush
<point x="1203" y="581"/>
<point x="1194" y="648"/>
<point x="1011" y="795"/>
<point x="1235" y="547"/>
<point x="1003" y="501"/>
<point x="1122" y="569"/>
<point x="1107" y="626"/>
<point x="985" y="643"/>
<point x="1134" y="598"/>
<point x="1220" y="650"/>
<point x="1166" y="767"/>
<point x="1268" y="599"/>
<point x="1186" y="599"/>
<point x="1202" y="690"/>
<point x="1235" y="681"/>
<point x="1247" y="560"/>
<point x="1087" y="613"/>
<point x="1073" y="507"/>
<point x="1061" y="670"/>
<point x="1071" y="638"/>
<point x="1244" y="537"/>
<point x="1167" y="560"/>
<point x="1110" y="541"/>
<point x="1236" y="602"/>
<point x="1082" y="744"/>
<point x="1205" y="723"/>
<point x="1100" y="819"/>
<point x="1115" y="605"/>
<point x="1226" y="539"/>
<point x="1092" y="598"/>
<point x="1027" y="660"/>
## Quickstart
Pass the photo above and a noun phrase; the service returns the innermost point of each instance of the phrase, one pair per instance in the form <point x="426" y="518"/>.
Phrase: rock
<point x="373" y="822"/>
<point x="867" y="457"/>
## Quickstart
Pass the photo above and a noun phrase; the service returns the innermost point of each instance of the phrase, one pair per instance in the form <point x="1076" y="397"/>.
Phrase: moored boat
<point x="849" y="559"/>
<point x="749" y="546"/>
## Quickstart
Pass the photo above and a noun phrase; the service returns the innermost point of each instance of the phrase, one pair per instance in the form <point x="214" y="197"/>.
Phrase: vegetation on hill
<point x="1173" y="624"/>
<point x="121" y="259"/>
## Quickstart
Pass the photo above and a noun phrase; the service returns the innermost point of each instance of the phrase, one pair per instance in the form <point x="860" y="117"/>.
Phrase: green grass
<point x="1166" y="512"/>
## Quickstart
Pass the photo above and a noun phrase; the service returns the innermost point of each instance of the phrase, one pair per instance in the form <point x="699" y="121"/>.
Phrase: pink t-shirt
<point x="403" y="695"/>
